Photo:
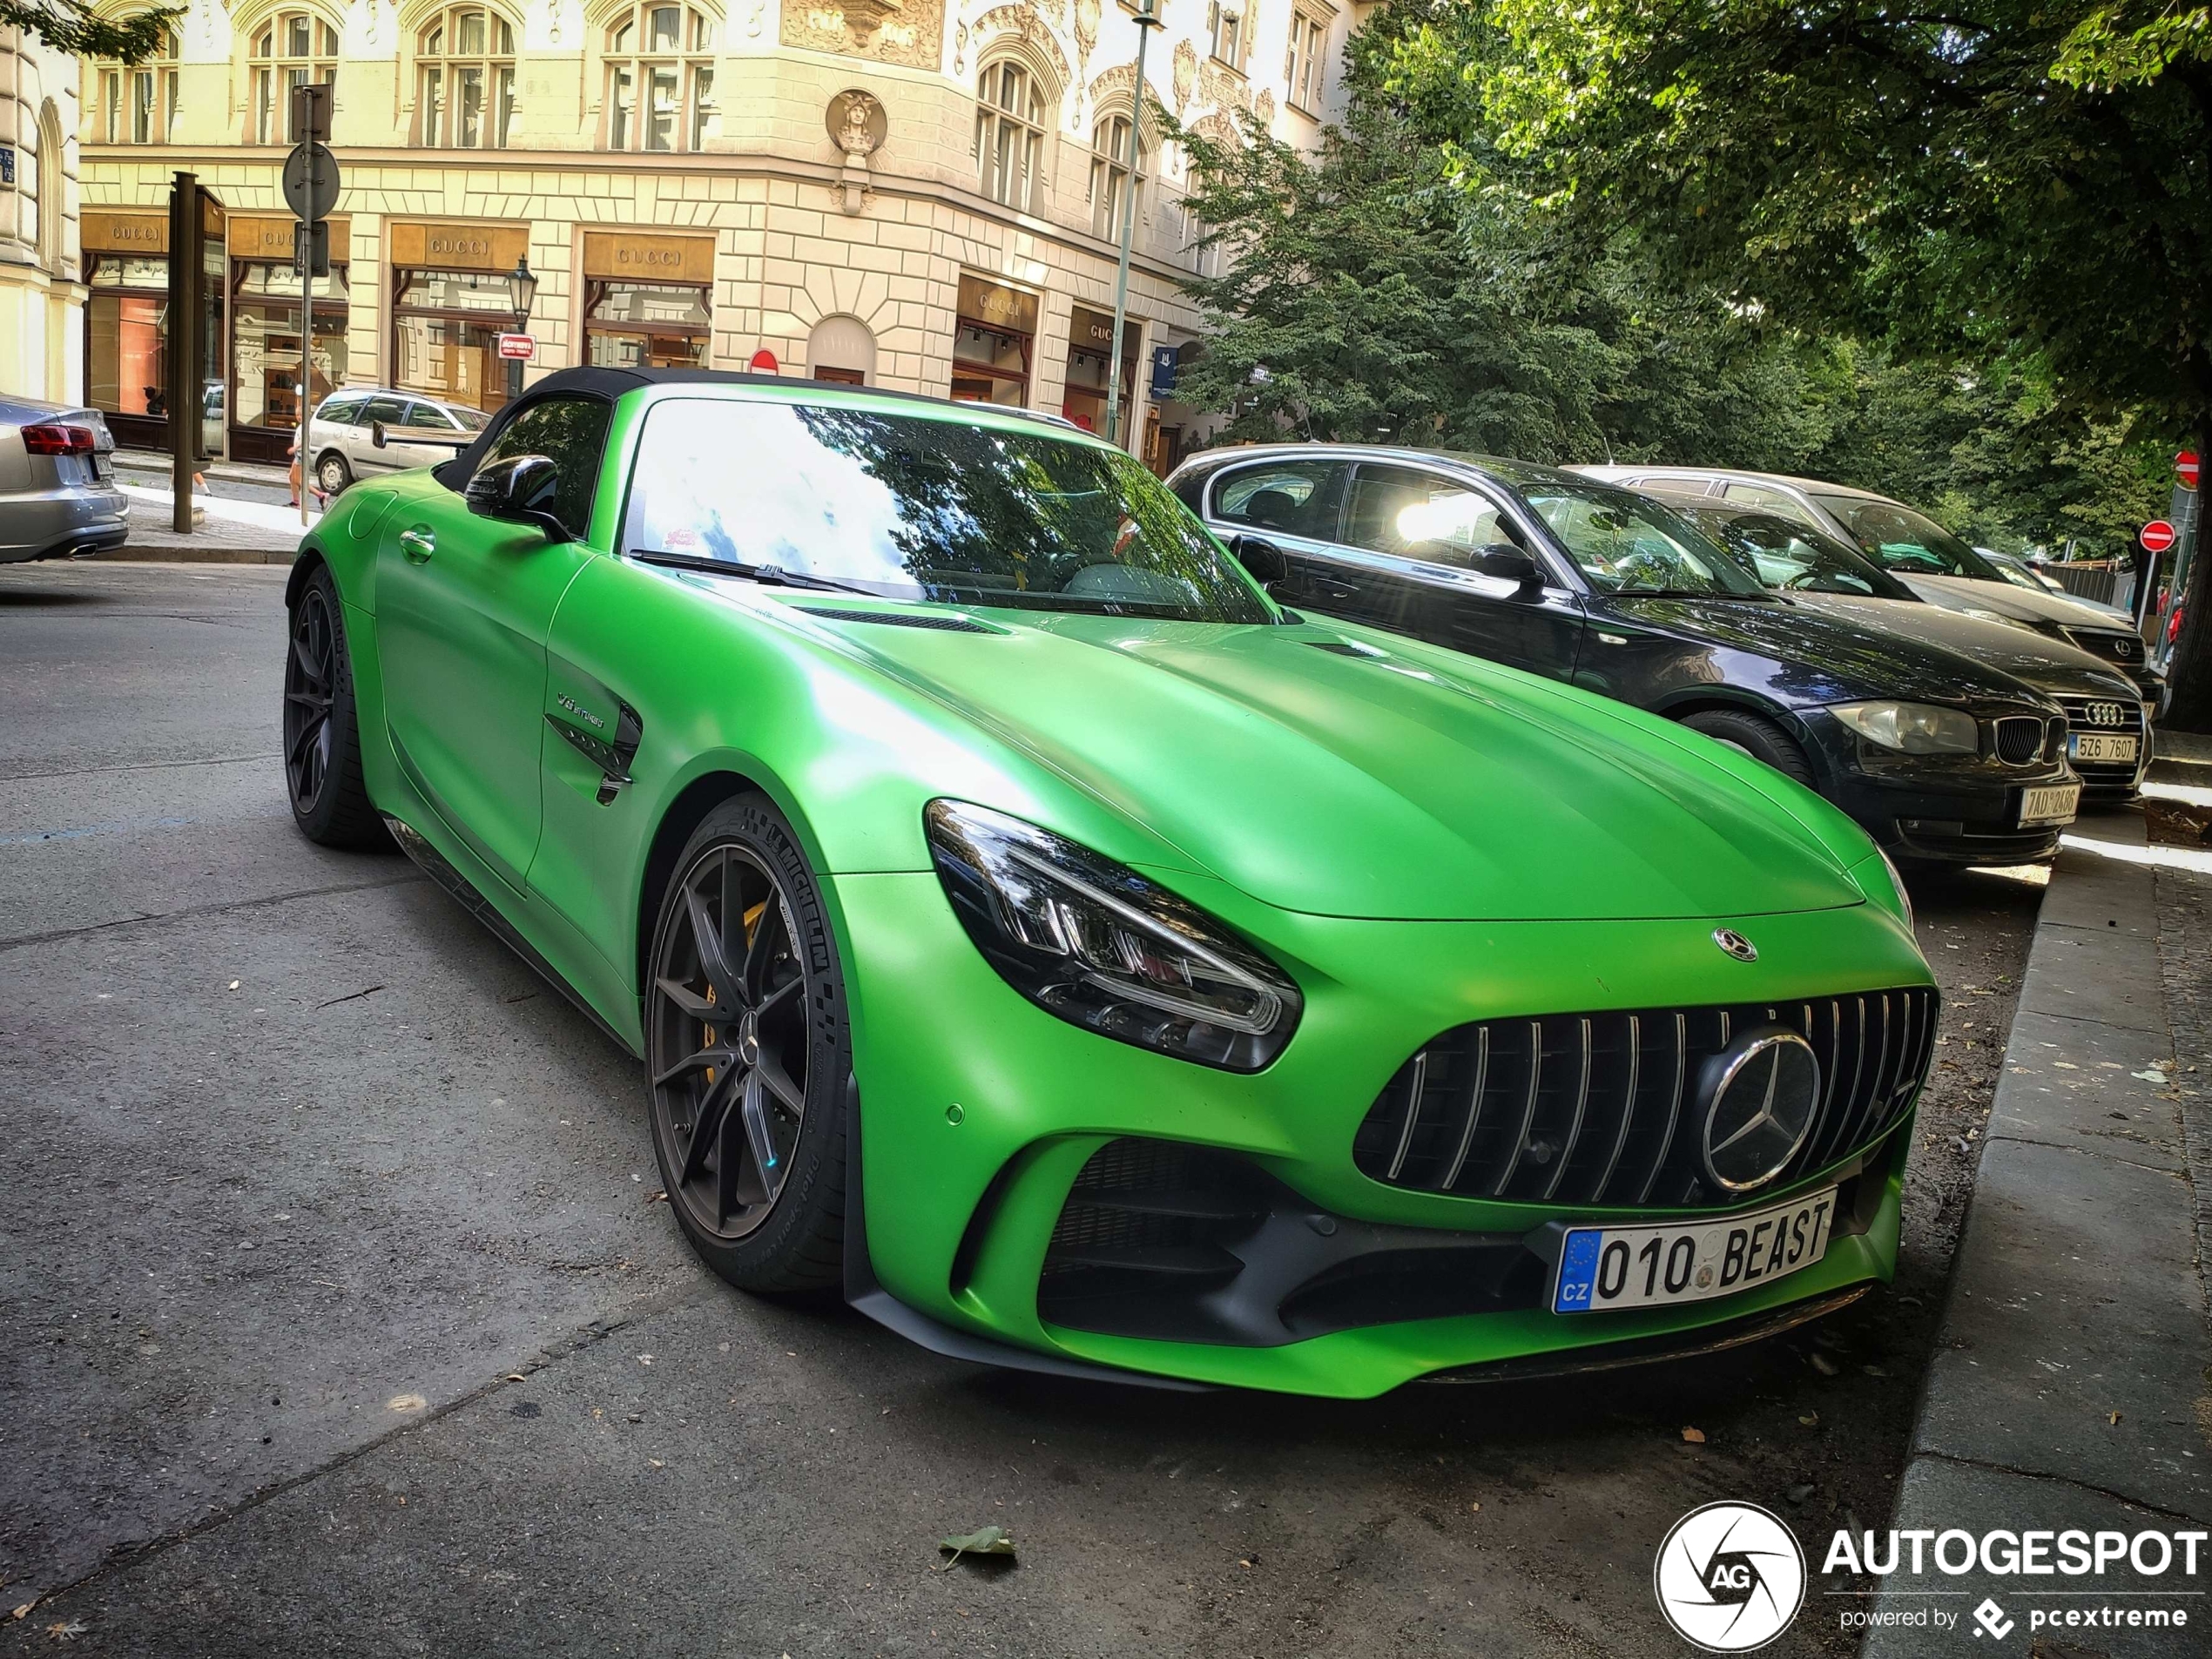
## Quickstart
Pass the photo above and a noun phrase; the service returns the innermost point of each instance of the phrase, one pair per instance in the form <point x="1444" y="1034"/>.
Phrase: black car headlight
<point x="1097" y="944"/>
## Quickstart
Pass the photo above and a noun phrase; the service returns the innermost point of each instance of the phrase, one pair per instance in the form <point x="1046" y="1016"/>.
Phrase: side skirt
<point x="434" y="865"/>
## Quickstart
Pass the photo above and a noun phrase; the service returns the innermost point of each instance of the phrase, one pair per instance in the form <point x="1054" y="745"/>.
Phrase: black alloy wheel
<point x="322" y="761"/>
<point x="310" y="688"/>
<point x="746" y="1050"/>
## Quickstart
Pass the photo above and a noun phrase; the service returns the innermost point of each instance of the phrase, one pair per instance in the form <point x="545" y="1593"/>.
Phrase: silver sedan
<point x="58" y="493"/>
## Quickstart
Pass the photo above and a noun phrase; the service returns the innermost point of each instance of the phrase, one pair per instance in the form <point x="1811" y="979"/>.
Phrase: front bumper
<point x="979" y="1111"/>
<point x="1947" y="809"/>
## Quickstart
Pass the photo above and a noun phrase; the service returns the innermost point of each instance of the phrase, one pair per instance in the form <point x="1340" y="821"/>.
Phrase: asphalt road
<point x="338" y="1318"/>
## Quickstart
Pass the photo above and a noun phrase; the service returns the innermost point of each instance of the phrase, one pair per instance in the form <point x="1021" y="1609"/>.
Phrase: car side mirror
<point x="1262" y="559"/>
<point x="1503" y="561"/>
<point x="376" y="433"/>
<point x="518" y="490"/>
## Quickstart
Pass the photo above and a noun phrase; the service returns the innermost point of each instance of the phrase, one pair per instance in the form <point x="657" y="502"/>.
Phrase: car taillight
<point x="58" y="439"/>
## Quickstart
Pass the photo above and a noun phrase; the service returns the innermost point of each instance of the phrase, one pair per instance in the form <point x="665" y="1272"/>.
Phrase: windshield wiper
<point x="773" y="575"/>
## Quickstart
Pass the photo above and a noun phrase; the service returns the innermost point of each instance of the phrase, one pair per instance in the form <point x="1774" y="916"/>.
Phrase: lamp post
<point x="1148" y="19"/>
<point x="521" y="292"/>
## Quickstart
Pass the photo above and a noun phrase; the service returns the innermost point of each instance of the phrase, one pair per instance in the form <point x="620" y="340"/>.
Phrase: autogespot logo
<point x="1729" y="1577"/>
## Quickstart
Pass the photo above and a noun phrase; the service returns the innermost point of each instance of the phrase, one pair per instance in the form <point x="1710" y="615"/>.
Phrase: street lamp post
<point x="1148" y="19"/>
<point x="521" y="292"/>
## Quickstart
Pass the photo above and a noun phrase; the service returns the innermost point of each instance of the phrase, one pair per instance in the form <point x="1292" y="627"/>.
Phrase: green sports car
<point x="1029" y="927"/>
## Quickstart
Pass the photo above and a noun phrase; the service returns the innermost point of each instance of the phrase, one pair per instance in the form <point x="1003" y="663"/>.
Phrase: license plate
<point x="2091" y="745"/>
<point x="2049" y="804"/>
<point x="1606" y="1270"/>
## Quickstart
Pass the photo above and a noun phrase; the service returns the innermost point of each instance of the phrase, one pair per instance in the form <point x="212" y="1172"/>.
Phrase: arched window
<point x="1009" y="134"/>
<point x="290" y="48"/>
<point x="1116" y="169"/>
<point x="660" y="77"/>
<point x="465" y="80"/>
<point x="841" y="349"/>
<point x="138" y="101"/>
<point x="47" y="171"/>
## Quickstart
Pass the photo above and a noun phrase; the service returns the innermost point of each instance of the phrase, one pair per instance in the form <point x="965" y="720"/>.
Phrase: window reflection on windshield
<point x="930" y="509"/>
<point x="1909" y="542"/>
<point x="1629" y="545"/>
<point x="1783" y="553"/>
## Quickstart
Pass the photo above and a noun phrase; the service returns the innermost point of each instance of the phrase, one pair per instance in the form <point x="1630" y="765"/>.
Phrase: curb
<point x="2070" y="1369"/>
<point x="134" y="554"/>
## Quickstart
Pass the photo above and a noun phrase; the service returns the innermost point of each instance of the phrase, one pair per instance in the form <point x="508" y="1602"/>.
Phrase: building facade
<point x="42" y="298"/>
<point x="919" y="194"/>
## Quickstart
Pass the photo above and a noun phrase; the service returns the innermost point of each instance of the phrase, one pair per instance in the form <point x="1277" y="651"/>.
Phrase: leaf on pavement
<point x="1695" y="1436"/>
<point x="984" y="1540"/>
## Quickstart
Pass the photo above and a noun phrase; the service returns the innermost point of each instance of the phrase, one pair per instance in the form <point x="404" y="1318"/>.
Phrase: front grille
<point x="1601" y="1108"/>
<point x="2113" y="645"/>
<point x="2020" y="738"/>
<point x="2112" y="716"/>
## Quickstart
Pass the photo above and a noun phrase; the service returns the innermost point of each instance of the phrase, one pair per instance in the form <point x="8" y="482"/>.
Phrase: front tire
<point x="1760" y="739"/>
<point x="322" y="748"/>
<point x="747" y="1051"/>
<point x="331" y="473"/>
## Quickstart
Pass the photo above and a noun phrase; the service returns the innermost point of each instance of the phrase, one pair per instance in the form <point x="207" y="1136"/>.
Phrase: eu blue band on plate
<point x="1577" y="1273"/>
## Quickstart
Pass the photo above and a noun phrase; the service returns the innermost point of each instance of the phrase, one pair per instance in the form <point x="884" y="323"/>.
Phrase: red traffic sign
<point x="2185" y="468"/>
<point x="518" y="348"/>
<point x="763" y="362"/>
<point x="2156" y="537"/>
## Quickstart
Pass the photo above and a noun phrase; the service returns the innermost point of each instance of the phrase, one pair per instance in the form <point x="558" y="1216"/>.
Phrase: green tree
<point x="2023" y="179"/>
<point x="71" y="26"/>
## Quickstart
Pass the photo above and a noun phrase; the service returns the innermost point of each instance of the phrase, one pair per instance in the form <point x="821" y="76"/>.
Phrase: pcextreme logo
<point x="1729" y="1577"/>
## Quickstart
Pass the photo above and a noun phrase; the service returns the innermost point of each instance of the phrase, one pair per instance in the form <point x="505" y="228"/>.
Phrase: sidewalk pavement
<point x="2072" y="1380"/>
<point x="230" y="532"/>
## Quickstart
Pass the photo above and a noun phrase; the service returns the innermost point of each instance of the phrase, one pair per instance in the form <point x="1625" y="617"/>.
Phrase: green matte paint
<point x="1420" y="839"/>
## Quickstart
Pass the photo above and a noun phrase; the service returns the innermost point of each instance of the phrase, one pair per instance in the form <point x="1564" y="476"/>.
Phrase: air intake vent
<point x="942" y="624"/>
<point x="1591" y="1109"/>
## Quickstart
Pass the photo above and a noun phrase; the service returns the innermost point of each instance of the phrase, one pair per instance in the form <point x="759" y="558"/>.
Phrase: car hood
<point x="1821" y="654"/>
<point x="1321" y="772"/>
<point x="2049" y="665"/>
<point x="2003" y="599"/>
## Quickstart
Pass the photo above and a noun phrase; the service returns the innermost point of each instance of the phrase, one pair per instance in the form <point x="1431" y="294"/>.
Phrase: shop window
<point x="1116" y="169"/>
<point x="660" y="77"/>
<point x="138" y="101"/>
<point x="994" y="341"/>
<point x="1225" y="31"/>
<point x="291" y="49"/>
<point x="646" y="325"/>
<point x="465" y="80"/>
<point x="1009" y="134"/>
<point x="840" y="349"/>
<point x="1302" y="62"/>
<point x="266" y="392"/>
<point x="445" y="326"/>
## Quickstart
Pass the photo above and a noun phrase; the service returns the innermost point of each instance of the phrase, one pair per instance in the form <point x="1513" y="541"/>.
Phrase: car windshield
<point x="1632" y="546"/>
<point x="1783" y="553"/>
<point x="1909" y="542"/>
<point x="961" y="511"/>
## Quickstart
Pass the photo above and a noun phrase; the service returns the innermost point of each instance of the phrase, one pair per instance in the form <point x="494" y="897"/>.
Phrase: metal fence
<point x="2108" y="587"/>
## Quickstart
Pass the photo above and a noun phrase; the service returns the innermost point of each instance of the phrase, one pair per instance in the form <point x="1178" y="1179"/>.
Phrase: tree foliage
<point x="71" y="26"/>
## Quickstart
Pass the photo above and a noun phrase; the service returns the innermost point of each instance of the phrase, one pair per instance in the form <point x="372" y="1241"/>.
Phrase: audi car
<point x="1028" y="928"/>
<point x="1942" y="758"/>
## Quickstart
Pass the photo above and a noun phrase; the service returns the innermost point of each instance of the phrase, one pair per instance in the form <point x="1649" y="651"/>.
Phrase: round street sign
<point x="2156" y="537"/>
<point x="2185" y="468"/>
<point x="311" y="181"/>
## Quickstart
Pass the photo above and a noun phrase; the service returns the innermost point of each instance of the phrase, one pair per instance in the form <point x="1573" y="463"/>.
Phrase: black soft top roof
<point x="611" y="383"/>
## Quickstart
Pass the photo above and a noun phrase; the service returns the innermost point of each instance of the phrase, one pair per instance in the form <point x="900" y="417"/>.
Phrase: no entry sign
<point x="2156" y="537"/>
<point x="2185" y="468"/>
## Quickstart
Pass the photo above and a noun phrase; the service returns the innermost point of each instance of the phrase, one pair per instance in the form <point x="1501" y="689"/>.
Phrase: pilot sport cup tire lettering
<point x="747" y="1052"/>
<point x="322" y="760"/>
<point x="1760" y="739"/>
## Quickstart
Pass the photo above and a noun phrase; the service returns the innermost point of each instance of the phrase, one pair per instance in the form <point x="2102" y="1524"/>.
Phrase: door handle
<point x="1331" y="590"/>
<point x="418" y="544"/>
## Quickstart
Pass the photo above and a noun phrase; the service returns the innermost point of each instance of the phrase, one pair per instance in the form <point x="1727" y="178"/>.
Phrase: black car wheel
<point x="332" y="473"/>
<point x="748" y="1051"/>
<point x="1760" y="739"/>
<point x="323" y="753"/>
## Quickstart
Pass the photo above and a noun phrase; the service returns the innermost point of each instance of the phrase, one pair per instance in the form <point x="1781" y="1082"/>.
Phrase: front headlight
<point x="1097" y="944"/>
<point x="1912" y="728"/>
